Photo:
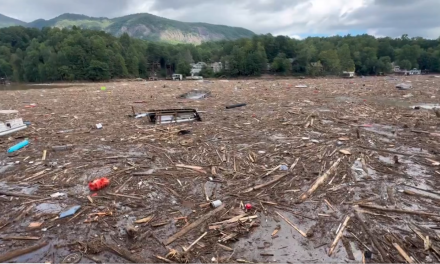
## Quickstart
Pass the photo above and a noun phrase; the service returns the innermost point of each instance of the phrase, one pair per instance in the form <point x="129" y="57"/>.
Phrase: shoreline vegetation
<point x="51" y="55"/>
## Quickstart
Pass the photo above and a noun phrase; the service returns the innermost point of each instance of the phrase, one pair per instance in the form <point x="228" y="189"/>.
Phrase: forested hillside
<point x="142" y="26"/>
<point x="52" y="54"/>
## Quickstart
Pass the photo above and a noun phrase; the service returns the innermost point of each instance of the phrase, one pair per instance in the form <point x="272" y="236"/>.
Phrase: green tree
<point x="346" y="62"/>
<point x="384" y="65"/>
<point x="306" y="55"/>
<point x="281" y="64"/>
<point x="405" y="65"/>
<point x="31" y="62"/>
<point x="117" y="66"/>
<point x="368" y="58"/>
<point x="132" y="62"/>
<point x="409" y="53"/>
<point x="330" y="61"/>
<point x="237" y="62"/>
<point x="5" y="69"/>
<point x="183" y="68"/>
<point x="98" y="71"/>
<point x="314" y="69"/>
<point x="207" y="72"/>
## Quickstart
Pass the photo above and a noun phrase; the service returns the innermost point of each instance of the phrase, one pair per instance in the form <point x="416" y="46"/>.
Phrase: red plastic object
<point x="99" y="184"/>
<point x="248" y="206"/>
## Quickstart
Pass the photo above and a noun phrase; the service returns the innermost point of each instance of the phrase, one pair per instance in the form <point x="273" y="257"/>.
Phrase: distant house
<point x="399" y="71"/>
<point x="216" y="67"/>
<point x="347" y="74"/>
<point x="415" y="72"/>
<point x="196" y="68"/>
<point x="316" y="64"/>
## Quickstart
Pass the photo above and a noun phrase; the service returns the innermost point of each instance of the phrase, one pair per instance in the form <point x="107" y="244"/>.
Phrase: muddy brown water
<point x="24" y="86"/>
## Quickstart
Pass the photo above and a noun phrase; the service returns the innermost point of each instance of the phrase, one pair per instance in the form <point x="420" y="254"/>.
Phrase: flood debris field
<point x="340" y="171"/>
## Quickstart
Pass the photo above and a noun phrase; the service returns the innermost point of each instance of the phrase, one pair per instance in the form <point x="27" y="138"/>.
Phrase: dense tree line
<point x="52" y="54"/>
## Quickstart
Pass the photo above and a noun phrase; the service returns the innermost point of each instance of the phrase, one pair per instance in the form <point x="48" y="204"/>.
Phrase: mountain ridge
<point x="6" y="21"/>
<point x="141" y="25"/>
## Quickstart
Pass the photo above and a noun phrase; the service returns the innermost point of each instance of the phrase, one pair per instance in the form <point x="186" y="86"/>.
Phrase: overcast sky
<point x="295" y="18"/>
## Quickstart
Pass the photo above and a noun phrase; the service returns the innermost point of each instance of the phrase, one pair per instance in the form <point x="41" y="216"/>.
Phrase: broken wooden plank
<point x="270" y="172"/>
<point x="145" y="220"/>
<point x="403" y="253"/>
<point x="232" y="220"/>
<point x="292" y="225"/>
<point x="319" y="181"/>
<point x="160" y="223"/>
<point x="36" y="175"/>
<point x="225" y="247"/>
<point x="125" y="196"/>
<point x="123" y="253"/>
<point x="197" y="223"/>
<point x="20" y="238"/>
<point x="19" y="252"/>
<point x="20" y="195"/>
<point x="338" y="236"/>
<point x="194" y="168"/>
<point x="400" y="211"/>
<point x="348" y="249"/>
<point x="275" y="179"/>
<point x="421" y="195"/>
<point x="382" y="252"/>
<point x="164" y="259"/>
<point x="195" y="242"/>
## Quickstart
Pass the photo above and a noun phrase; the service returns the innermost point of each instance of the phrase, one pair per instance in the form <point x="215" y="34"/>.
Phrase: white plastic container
<point x="216" y="203"/>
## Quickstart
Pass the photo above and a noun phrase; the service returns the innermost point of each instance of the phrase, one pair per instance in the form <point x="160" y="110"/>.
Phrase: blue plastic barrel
<point x="18" y="146"/>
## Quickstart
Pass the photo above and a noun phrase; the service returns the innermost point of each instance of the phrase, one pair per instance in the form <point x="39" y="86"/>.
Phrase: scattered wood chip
<point x="144" y="220"/>
<point x="159" y="224"/>
<point x="225" y="247"/>
<point x="35" y="224"/>
<point x="194" y="168"/>
<point x="277" y="229"/>
<point x="434" y="162"/>
<point x="345" y="151"/>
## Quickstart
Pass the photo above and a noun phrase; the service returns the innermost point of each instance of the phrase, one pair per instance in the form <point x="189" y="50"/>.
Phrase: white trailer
<point x="177" y="77"/>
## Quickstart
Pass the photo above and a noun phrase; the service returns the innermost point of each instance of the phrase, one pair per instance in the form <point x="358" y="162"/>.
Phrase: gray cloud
<point x="253" y="5"/>
<point x="286" y="17"/>
<point x="394" y="18"/>
<point x="29" y="10"/>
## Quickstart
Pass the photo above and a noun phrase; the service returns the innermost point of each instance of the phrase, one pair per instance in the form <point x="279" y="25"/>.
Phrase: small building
<point x="196" y="68"/>
<point x="317" y="66"/>
<point x="217" y="67"/>
<point x="347" y="74"/>
<point x="399" y="71"/>
<point x="415" y="72"/>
